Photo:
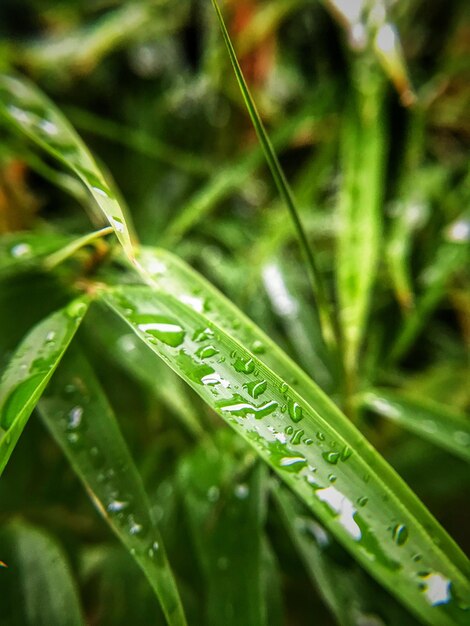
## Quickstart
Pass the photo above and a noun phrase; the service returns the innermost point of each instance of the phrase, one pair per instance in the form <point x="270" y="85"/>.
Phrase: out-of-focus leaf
<point x="433" y="421"/>
<point x="363" y="159"/>
<point x="78" y="415"/>
<point x="22" y="250"/>
<point x="31" y="368"/>
<point x="37" y="587"/>
<point x="226" y="507"/>
<point x="452" y="255"/>
<point x="26" y="109"/>
<point x="312" y="447"/>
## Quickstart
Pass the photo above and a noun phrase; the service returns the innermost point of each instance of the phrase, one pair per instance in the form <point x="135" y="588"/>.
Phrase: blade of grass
<point x="435" y="422"/>
<point x="310" y="446"/>
<point x="37" y="587"/>
<point x="31" y="368"/>
<point x="318" y="289"/>
<point x="225" y="511"/>
<point x="77" y="413"/>
<point x="26" y="109"/>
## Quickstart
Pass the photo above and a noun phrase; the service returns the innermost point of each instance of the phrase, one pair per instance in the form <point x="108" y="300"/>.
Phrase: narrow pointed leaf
<point x="310" y="446"/>
<point x="24" y="107"/>
<point x="31" y="368"/>
<point x="78" y="415"/>
<point x="433" y="421"/>
<point x="226" y="514"/>
<point x="360" y="218"/>
<point x="37" y="587"/>
<point x="284" y="189"/>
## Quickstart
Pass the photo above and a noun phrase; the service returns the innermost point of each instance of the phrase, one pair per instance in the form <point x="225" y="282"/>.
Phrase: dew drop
<point x="206" y="352"/>
<point x="331" y="457"/>
<point x="20" y="250"/>
<point x="295" y="411"/>
<point x="75" y="418"/>
<point x="400" y="534"/>
<point x="363" y="500"/>
<point x="162" y="328"/>
<point x="242" y="491"/>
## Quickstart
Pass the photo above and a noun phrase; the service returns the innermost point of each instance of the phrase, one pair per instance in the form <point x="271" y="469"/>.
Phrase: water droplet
<point x="203" y="334"/>
<point x="116" y="506"/>
<point x="244" y="366"/>
<point x="162" y="328"/>
<point x="244" y="409"/>
<point x="436" y="589"/>
<point x="400" y="534"/>
<point x="215" y="379"/>
<point x="295" y="410"/>
<point x="206" y="352"/>
<point x="293" y="463"/>
<point x="242" y="491"/>
<point x="320" y="436"/>
<point x="75" y="418"/>
<point x="332" y="478"/>
<point x="258" y="347"/>
<point x="363" y="500"/>
<point x="48" y="127"/>
<point x="343" y="507"/>
<point x="284" y="388"/>
<point x="255" y="388"/>
<point x="50" y="336"/>
<point x="331" y="457"/>
<point x="346" y="453"/>
<point x="115" y="221"/>
<point x="20" y="250"/>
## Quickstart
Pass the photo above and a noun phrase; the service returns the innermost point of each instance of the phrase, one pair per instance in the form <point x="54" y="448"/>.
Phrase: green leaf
<point x="22" y="250"/>
<point x="452" y="255"/>
<point x="435" y="422"/>
<point x="360" y="211"/>
<point x="37" y="587"/>
<point x="349" y="593"/>
<point x="26" y="109"/>
<point x="312" y="447"/>
<point x="321" y="299"/>
<point x="31" y="368"/>
<point x="226" y="510"/>
<point x="78" y="415"/>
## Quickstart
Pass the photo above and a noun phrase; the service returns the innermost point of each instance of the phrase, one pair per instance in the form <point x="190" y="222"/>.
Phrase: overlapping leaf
<point x="312" y="447"/>
<point x="25" y="108"/>
<point x="77" y="413"/>
<point x="31" y="368"/>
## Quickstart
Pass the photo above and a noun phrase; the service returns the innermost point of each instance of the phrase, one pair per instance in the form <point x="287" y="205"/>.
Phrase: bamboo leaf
<point x="37" y="587"/>
<point x="226" y="508"/>
<point x="31" y="368"/>
<point x="350" y="594"/>
<point x="26" y="109"/>
<point x="360" y="218"/>
<point x="78" y="415"/>
<point x="313" y="448"/>
<point x="433" y="421"/>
